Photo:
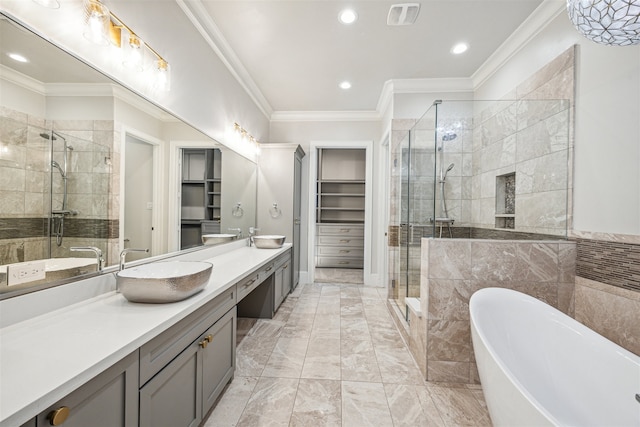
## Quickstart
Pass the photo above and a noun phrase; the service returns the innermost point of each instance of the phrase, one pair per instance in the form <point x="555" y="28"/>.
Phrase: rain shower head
<point x="48" y="136"/>
<point x="449" y="136"/>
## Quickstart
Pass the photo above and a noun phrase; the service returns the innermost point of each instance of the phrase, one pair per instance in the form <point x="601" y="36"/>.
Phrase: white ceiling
<point x="296" y="52"/>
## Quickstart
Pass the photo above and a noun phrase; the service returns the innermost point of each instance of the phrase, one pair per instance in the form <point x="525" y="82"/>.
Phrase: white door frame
<point x="157" y="236"/>
<point x="368" y="203"/>
<point x="173" y="204"/>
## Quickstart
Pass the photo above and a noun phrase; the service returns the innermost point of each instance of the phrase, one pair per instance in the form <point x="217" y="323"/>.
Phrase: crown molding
<point x="532" y="26"/>
<point x="325" y="116"/>
<point x="22" y="80"/>
<point x="199" y="17"/>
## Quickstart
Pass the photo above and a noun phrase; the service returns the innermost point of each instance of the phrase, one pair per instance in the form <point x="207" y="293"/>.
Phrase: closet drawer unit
<point x="351" y="230"/>
<point x="338" y="262"/>
<point x="345" y="241"/>
<point x="339" y="251"/>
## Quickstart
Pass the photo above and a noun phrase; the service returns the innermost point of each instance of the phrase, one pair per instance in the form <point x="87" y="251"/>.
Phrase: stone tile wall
<point x="26" y="177"/>
<point x="453" y="269"/>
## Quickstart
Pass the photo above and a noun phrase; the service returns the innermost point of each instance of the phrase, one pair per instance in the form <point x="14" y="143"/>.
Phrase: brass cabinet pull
<point x="269" y="268"/>
<point x="345" y="230"/>
<point x="345" y="241"/>
<point x="205" y="342"/>
<point x="285" y="266"/>
<point x="58" y="416"/>
<point x="246" y="285"/>
<point x="344" y="251"/>
<point x="343" y="262"/>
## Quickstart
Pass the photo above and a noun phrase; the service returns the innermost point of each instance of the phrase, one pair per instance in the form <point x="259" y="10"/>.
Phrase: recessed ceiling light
<point x="345" y="85"/>
<point x="18" y="57"/>
<point x="459" y="48"/>
<point x="348" y="16"/>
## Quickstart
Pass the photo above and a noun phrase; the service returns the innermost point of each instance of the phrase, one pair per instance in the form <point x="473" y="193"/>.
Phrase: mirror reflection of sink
<point x="216" y="239"/>
<point x="162" y="282"/>
<point x="268" y="241"/>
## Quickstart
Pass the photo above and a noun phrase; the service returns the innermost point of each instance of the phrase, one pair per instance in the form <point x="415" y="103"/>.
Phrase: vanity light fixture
<point x="244" y="134"/>
<point x="459" y="48"/>
<point x="345" y="85"/>
<point x="608" y="22"/>
<point x="17" y="57"/>
<point x="348" y="16"/>
<point x="103" y="27"/>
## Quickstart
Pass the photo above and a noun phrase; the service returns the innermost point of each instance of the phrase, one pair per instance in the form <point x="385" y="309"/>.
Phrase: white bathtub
<point x="540" y="367"/>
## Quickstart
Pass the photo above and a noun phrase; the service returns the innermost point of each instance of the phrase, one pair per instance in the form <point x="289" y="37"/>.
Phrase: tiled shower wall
<point x="24" y="186"/>
<point x="453" y="269"/>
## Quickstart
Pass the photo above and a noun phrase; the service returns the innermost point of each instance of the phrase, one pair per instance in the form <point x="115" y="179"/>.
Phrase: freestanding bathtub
<point x="540" y="367"/>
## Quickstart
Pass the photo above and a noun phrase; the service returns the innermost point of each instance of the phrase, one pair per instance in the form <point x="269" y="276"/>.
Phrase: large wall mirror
<point x="86" y="162"/>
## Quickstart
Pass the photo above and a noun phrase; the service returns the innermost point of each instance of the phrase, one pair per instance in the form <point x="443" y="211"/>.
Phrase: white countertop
<point x="44" y="358"/>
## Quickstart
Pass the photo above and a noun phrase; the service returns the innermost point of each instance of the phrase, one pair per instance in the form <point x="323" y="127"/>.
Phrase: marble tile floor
<point x="339" y="275"/>
<point x="331" y="356"/>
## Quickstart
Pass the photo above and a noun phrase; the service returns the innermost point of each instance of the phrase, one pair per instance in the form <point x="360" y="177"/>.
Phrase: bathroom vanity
<point x="107" y="361"/>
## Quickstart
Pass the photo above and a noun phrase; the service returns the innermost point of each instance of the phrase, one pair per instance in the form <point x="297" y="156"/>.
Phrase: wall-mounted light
<point x="609" y="22"/>
<point x="243" y="133"/>
<point x="103" y="27"/>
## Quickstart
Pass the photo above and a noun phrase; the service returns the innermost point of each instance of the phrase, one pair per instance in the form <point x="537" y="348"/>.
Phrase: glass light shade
<point x="132" y="51"/>
<point x="51" y="4"/>
<point x="163" y="75"/>
<point x="609" y="22"/>
<point x="97" y="22"/>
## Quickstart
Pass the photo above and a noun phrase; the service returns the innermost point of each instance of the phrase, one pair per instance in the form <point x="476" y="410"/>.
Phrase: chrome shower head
<point x="48" y="136"/>
<point x="57" y="166"/>
<point x="450" y="167"/>
<point x="449" y="136"/>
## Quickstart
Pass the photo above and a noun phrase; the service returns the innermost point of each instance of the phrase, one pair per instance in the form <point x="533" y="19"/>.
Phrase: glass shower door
<point x="417" y="200"/>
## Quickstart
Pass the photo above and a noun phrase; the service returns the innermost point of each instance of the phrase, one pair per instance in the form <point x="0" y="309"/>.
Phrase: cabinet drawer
<point x="341" y="230"/>
<point x="345" y="241"/>
<point x="161" y="350"/>
<point x="338" y="251"/>
<point x="110" y="399"/>
<point x="246" y="285"/>
<point x="337" y="262"/>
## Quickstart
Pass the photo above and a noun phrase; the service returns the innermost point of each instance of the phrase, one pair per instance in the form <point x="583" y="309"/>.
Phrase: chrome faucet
<point x="238" y="232"/>
<point x="93" y="249"/>
<point x="252" y="232"/>
<point x="123" y="255"/>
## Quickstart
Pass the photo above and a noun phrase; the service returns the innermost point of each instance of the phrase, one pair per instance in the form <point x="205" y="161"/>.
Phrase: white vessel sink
<point x="269" y="241"/>
<point x="216" y="239"/>
<point x="162" y="282"/>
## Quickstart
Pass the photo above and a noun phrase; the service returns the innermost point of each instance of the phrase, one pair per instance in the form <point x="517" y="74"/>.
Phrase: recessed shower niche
<point x="506" y="201"/>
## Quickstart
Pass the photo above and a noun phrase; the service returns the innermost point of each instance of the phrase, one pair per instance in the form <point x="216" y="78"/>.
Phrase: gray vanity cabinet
<point x="171" y="398"/>
<point x="282" y="282"/>
<point x="182" y="393"/>
<point x="109" y="400"/>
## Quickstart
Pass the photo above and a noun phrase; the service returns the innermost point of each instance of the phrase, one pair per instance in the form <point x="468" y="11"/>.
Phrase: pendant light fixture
<point x="608" y="22"/>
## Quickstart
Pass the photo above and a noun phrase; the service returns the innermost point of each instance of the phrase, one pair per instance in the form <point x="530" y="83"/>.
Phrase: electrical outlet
<point x="150" y="206"/>
<point x="25" y="272"/>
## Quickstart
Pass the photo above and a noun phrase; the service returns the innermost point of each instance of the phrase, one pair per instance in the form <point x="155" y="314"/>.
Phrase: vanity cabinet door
<point x="109" y="400"/>
<point x="172" y="398"/>
<point x="218" y="359"/>
<point x="30" y="423"/>
<point x="282" y="281"/>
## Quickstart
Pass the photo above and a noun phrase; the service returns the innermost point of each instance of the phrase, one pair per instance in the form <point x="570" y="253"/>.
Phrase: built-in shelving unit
<point x="340" y="208"/>
<point x="201" y="190"/>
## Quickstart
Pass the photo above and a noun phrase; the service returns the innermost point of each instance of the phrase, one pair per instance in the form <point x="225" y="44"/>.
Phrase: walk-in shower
<point x="475" y="170"/>
<point x="58" y="215"/>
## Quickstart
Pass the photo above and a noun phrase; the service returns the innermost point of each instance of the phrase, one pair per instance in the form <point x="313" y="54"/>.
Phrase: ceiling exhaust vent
<point x="403" y="14"/>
